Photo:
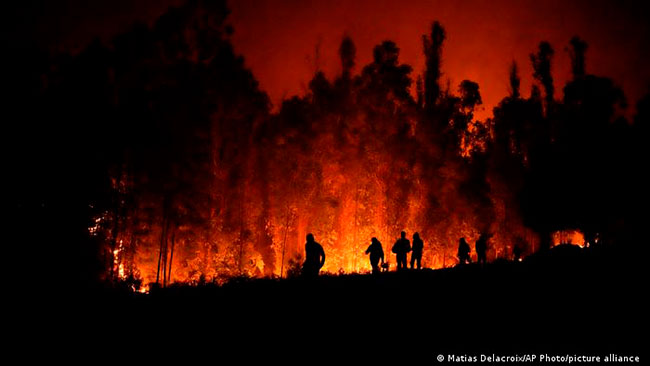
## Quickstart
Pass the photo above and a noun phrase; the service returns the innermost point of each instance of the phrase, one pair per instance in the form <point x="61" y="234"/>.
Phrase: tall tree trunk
<point x="241" y="231"/>
<point x="166" y="253"/>
<point x="162" y="243"/>
<point x="284" y="242"/>
<point x="354" y="238"/>
<point x="131" y="263"/>
<point x="171" y="257"/>
<point x="116" y="225"/>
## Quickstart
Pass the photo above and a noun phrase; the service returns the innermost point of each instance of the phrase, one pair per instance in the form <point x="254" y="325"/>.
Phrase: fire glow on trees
<point x="211" y="185"/>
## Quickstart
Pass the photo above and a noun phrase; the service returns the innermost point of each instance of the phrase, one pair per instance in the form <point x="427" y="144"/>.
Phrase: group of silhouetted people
<point x="481" y="250"/>
<point x="315" y="255"/>
<point x="402" y="247"/>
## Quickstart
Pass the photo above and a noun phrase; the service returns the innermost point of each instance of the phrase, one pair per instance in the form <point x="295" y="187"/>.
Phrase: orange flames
<point x="343" y="196"/>
<point x="575" y="237"/>
<point x="357" y="157"/>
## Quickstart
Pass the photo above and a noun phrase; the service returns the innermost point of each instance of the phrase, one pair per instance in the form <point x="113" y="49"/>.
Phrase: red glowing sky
<point x="279" y="38"/>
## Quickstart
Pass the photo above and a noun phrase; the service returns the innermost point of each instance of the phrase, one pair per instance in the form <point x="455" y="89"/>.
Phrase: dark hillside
<point x="567" y="299"/>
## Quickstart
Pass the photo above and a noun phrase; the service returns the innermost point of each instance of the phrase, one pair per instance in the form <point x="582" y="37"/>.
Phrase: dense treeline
<point x="160" y="145"/>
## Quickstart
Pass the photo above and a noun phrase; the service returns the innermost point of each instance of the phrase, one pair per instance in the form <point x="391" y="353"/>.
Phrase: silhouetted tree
<point x="348" y="53"/>
<point x="167" y="147"/>
<point x="542" y="71"/>
<point x="385" y="75"/>
<point x="577" y="53"/>
<point x="515" y="81"/>
<point x="432" y="44"/>
<point x="591" y="140"/>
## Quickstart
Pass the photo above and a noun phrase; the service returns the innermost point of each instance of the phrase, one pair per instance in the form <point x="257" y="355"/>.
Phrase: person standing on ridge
<point x="401" y="248"/>
<point x="481" y="248"/>
<point x="314" y="257"/>
<point x="463" y="252"/>
<point x="376" y="253"/>
<point x="416" y="255"/>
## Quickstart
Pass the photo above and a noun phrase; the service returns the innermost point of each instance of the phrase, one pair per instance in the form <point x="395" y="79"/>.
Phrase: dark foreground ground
<point x="565" y="301"/>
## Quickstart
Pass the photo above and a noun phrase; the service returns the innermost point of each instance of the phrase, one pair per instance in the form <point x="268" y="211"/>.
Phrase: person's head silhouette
<point x="416" y="236"/>
<point x="403" y="234"/>
<point x="374" y="240"/>
<point x="310" y="238"/>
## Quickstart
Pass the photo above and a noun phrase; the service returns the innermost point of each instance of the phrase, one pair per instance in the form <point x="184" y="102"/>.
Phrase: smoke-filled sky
<point x="285" y="41"/>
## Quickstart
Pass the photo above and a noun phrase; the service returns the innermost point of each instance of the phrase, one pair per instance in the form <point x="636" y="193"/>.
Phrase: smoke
<point x="199" y="167"/>
<point x="355" y="157"/>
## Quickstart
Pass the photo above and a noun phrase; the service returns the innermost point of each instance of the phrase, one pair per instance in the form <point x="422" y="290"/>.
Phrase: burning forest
<point x="189" y="175"/>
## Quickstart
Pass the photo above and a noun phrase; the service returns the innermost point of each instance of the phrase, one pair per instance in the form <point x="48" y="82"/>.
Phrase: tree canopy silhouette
<point x="171" y="154"/>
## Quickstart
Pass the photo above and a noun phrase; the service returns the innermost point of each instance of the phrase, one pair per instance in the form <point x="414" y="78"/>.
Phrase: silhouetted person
<point x="401" y="248"/>
<point x="416" y="255"/>
<point x="376" y="253"/>
<point x="314" y="257"/>
<point x="463" y="252"/>
<point x="516" y="251"/>
<point x="481" y="248"/>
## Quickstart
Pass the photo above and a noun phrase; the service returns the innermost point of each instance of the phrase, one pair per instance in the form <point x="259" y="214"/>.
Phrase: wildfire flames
<point x="232" y="189"/>
<point x="347" y="185"/>
<point x="574" y="237"/>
